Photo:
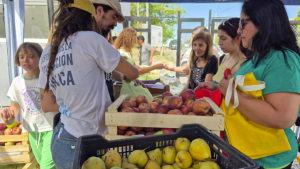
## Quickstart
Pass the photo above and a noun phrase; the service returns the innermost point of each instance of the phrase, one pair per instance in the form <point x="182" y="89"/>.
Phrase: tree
<point x="159" y="11"/>
<point x="298" y="17"/>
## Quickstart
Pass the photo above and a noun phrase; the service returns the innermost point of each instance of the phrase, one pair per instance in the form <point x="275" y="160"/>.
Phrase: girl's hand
<point x="224" y="84"/>
<point x="211" y="86"/>
<point x="8" y="116"/>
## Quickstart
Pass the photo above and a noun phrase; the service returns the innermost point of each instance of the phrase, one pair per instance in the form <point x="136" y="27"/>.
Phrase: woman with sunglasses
<point x="273" y="58"/>
<point x="229" y="42"/>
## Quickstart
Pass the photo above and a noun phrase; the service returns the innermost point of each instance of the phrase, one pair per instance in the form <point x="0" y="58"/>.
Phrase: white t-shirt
<point x="78" y="81"/>
<point x="26" y="93"/>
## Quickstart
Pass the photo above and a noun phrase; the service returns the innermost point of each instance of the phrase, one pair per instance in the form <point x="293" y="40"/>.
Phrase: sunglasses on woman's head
<point x="224" y="22"/>
<point x="242" y="24"/>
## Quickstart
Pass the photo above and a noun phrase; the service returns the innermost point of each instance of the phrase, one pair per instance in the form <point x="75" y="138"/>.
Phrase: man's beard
<point x="104" y="32"/>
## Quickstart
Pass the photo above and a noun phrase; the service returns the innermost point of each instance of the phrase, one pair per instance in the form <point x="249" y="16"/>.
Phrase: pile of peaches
<point x="186" y="104"/>
<point x="10" y="131"/>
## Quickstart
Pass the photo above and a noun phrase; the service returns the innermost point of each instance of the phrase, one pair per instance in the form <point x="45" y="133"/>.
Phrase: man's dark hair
<point x="141" y="38"/>
<point x="105" y="7"/>
<point x="114" y="38"/>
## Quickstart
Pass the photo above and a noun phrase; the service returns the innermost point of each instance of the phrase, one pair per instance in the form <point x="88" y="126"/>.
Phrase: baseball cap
<point x="114" y="4"/>
<point x="85" y="5"/>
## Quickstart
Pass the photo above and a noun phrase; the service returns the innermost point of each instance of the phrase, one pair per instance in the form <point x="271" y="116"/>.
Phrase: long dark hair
<point x="230" y="26"/>
<point x="69" y="20"/>
<point x="274" y="30"/>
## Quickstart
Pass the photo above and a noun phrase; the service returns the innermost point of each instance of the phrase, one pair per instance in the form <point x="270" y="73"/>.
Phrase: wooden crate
<point x="113" y="118"/>
<point x="26" y="155"/>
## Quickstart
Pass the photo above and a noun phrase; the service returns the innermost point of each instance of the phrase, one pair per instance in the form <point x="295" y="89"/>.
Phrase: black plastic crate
<point x="96" y="145"/>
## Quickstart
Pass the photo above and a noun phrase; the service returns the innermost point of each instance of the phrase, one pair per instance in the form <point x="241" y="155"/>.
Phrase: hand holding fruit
<point x="224" y="84"/>
<point x="171" y="68"/>
<point x="8" y="116"/>
<point x="159" y="66"/>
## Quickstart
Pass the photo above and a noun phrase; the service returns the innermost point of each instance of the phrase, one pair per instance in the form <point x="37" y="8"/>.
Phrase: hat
<point x="85" y="5"/>
<point x="114" y="4"/>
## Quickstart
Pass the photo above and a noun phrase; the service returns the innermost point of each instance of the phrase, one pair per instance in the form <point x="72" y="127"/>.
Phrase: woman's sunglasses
<point x="242" y="24"/>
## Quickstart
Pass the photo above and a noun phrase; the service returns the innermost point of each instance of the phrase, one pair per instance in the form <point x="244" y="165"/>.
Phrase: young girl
<point x="229" y="42"/>
<point x="72" y="78"/>
<point x="24" y="93"/>
<point x="204" y="65"/>
<point x="125" y="42"/>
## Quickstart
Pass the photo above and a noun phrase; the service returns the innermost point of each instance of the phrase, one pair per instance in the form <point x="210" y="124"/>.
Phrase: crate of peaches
<point x="14" y="145"/>
<point x="135" y="117"/>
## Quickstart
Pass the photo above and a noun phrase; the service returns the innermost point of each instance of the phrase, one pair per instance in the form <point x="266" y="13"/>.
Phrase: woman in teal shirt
<point x="273" y="57"/>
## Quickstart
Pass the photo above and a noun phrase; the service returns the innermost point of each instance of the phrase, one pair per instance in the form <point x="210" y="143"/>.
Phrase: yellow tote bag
<point x="252" y="139"/>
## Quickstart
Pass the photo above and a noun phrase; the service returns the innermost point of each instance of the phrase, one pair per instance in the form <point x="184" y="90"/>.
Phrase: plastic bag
<point x="133" y="91"/>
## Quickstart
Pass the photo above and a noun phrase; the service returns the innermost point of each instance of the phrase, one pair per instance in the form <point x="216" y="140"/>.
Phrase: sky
<point x="219" y="10"/>
<point x="201" y="10"/>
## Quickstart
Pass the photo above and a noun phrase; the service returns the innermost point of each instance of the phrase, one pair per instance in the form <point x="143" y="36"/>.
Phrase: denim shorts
<point x="63" y="147"/>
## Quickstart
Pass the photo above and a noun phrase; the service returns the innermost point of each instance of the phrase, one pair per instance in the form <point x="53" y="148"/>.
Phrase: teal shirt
<point x="279" y="77"/>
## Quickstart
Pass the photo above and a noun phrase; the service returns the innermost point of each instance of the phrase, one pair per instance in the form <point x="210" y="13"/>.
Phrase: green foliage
<point x="158" y="10"/>
<point x="216" y="40"/>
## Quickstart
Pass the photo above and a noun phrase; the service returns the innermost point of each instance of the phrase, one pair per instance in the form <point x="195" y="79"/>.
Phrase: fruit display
<point x="183" y="154"/>
<point x="10" y="131"/>
<point x="168" y="104"/>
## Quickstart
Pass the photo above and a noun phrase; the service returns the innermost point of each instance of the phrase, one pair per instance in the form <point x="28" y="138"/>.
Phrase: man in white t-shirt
<point x="109" y="13"/>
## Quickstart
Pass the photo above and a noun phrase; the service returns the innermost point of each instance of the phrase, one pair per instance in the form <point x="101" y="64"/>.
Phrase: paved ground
<point x="296" y="165"/>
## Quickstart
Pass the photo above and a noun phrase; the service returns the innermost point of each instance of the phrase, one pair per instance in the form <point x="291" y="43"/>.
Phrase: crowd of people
<point x="63" y="94"/>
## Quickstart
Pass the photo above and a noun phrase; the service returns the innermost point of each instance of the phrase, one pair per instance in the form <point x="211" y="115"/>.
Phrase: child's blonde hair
<point x="31" y="46"/>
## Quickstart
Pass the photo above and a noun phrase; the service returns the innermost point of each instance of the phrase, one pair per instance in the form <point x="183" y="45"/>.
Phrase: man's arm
<point x="117" y="76"/>
<point x="151" y="56"/>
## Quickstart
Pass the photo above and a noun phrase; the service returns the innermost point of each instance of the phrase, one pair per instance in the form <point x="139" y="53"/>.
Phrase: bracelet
<point x="15" y="124"/>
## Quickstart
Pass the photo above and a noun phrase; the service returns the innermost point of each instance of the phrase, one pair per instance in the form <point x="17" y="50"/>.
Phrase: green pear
<point x="176" y="166"/>
<point x="152" y="165"/>
<point x="116" y="168"/>
<point x="169" y="154"/>
<point x="167" y="167"/>
<point x="155" y="155"/>
<point x="195" y="165"/>
<point x="127" y="165"/>
<point x="184" y="159"/>
<point x="124" y="159"/>
<point x="138" y="157"/>
<point x="112" y="159"/>
<point x="199" y="149"/>
<point x="93" y="162"/>
<point x="163" y="163"/>
<point x="182" y="144"/>
<point x="209" y="165"/>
